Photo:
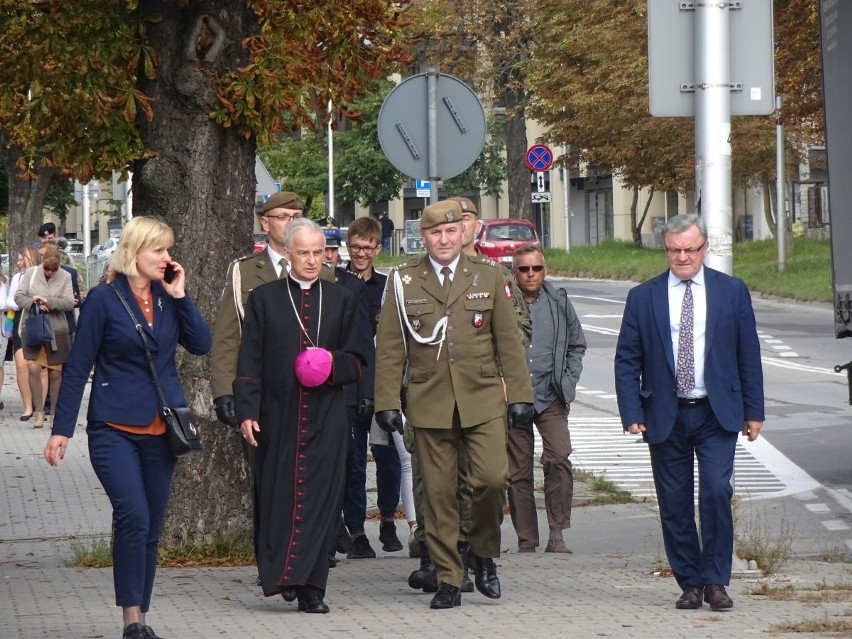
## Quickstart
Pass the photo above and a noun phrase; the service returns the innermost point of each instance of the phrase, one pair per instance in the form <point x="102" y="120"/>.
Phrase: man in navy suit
<point x="688" y="377"/>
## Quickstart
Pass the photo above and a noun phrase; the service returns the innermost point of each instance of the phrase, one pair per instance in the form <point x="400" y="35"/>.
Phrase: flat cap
<point x="332" y="237"/>
<point x="440" y="213"/>
<point x="282" y="200"/>
<point x="467" y="205"/>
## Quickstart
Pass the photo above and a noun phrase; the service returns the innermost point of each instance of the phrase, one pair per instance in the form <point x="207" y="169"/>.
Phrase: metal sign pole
<point x="713" y="129"/>
<point x="432" y="125"/>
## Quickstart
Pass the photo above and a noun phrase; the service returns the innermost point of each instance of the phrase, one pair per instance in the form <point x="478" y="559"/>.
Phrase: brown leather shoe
<point x="557" y="545"/>
<point x="690" y="599"/>
<point x="717" y="597"/>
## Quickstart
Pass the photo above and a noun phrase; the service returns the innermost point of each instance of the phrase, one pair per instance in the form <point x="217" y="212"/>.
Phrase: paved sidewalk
<point x="605" y="589"/>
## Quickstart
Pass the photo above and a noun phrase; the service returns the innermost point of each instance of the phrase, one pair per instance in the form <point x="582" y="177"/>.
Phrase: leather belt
<point x="692" y="401"/>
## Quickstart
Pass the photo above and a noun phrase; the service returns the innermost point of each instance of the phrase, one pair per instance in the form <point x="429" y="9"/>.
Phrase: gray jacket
<point x="569" y="343"/>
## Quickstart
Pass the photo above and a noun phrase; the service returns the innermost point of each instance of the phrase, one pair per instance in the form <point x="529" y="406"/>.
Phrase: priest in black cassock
<point x="298" y="349"/>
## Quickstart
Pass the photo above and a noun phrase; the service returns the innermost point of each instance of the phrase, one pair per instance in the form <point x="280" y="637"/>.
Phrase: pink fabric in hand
<point x="313" y="367"/>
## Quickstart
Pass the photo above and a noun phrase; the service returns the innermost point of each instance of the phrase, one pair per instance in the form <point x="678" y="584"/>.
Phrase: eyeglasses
<point x="538" y="268"/>
<point x="688" y="251"/>
<point x="283" y="216"/>
<point x="355" y="248"/>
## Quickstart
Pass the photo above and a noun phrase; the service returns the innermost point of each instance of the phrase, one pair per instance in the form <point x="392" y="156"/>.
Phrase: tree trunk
<point x="635" y="229"/>
<point x="26" y="200"/>
<point x="672" y="201"/>
<point x="202" y="183"/>
<point x="520" y="205"/>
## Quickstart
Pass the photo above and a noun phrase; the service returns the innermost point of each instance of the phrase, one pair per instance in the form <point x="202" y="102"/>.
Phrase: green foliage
<point x="489" y="171"/>
<point x="60" y="197"/>
<point x="807" y="276"/>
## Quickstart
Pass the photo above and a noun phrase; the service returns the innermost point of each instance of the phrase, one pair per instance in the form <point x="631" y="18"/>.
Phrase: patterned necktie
<point x="282" y="274"/>
<point x="685" y="344"/>
<point x="447" y="273"/>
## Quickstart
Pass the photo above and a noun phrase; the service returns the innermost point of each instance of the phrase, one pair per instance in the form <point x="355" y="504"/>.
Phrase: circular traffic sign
<point x="539" y="157"/>
<point x="404" y="133"/>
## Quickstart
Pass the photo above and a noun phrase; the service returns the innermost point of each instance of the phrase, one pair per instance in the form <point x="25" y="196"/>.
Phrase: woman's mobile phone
<point x="169" y="274"/>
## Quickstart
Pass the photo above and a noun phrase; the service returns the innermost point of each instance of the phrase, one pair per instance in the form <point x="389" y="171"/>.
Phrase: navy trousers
<point x="696" y="435"/>
<point x="136" y="473"/>
<point x="388" y="475"/>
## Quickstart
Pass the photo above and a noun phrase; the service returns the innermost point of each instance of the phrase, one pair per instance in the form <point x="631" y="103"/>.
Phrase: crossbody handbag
<point x="181" y="431"/>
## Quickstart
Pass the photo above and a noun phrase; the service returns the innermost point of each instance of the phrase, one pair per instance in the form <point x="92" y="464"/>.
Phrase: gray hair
<point x="682" y="222"/>
<point x="300" y="224"/>
<point x="525" y="250"/>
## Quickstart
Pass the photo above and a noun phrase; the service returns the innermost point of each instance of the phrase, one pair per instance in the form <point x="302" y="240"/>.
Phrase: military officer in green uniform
<point x="446" y="330"/>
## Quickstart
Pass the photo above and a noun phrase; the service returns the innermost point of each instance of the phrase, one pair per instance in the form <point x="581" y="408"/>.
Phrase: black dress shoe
<point x="150" y="634"/>
<point x="485" y="576"/>
<point x="447" y="597"/>
<point x="134" y="631"/>
<point x="467" y="584"/>
<point x="311" y="601"/>
<point x="288" y="594"/>
<point x="387" y="536"/>
<point x="690" y="599"/>
<point x="425" y="577"/>
<point x="717" y="597"/>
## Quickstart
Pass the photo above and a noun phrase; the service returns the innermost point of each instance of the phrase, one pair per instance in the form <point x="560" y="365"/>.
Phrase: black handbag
<point x="37" y="328"/>
<point x="181" y="431"/>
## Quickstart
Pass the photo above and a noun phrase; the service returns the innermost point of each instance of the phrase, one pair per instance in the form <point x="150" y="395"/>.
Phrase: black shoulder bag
<point x="180" y="427"/>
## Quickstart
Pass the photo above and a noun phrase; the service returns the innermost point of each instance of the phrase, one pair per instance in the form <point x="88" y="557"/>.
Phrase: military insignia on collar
<point x="508" y="289"/>
<point x="477" y="320"/>
<point x="478" y="296"/>
<point x="406" y="279"/>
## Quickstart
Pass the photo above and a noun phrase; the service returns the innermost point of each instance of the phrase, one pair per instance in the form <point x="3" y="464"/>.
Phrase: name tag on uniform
<point x="478" y="296"/>
<point x="412" y="302"/>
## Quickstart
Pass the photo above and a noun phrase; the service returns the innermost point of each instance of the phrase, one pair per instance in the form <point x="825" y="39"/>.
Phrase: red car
<point x="498" y="239"/>
<point x="259" y="242"/>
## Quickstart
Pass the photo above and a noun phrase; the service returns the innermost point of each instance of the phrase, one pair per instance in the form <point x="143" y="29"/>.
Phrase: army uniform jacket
<point x="254" y="270"/>
<point x="464" y="370"/>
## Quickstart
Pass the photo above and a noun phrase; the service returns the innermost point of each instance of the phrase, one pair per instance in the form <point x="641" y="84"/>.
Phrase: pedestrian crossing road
<point x="601" y="447"/>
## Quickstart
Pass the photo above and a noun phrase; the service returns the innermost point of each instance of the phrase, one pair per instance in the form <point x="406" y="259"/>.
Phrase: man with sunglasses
<point x="688" y="378"/>
<point x="554" y="360"/>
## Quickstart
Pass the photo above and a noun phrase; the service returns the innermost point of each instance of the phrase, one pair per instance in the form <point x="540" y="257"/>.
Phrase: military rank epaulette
<point x="244" y="257"/>
<point x="484" y="260"/>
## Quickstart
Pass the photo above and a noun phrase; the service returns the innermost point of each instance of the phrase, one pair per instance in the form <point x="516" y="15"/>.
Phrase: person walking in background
<point x="364" y="243"/>
<point x="554" y="360"/>
<point x="48" y="287"/>
<point x="28" y="257"/>
<point x="387" y="232"/>
<point x="688" y="377"/>
<point x="297" y="352"/>
<point x="4" y="338"/>
<point x="446" y="329"/>
<point x="127" y="442"/>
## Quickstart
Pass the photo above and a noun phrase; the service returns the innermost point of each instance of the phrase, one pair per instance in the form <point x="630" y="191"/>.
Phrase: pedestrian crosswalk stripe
<point x="602" y="448"/>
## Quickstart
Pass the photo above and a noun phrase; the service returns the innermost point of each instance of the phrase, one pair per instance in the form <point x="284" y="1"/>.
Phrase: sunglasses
<point x="538" y="268"/>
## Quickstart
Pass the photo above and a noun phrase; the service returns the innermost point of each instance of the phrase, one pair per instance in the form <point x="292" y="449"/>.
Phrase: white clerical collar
<point x="304" y="284"/>
<point x="452" y="265"/>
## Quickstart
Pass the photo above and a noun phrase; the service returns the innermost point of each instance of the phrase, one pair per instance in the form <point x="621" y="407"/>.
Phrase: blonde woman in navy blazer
<point x="126" y="442"/>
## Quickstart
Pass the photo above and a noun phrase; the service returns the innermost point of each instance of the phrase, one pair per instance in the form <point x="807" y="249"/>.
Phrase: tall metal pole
<point x="713" y="129"/>
<point x="432" y="132"/>
<point x="128" y="198"/>
<point x="330" y="166"/>
<point x="87" y="224"/>
<point x="780" y="170"/>
<point x="566" y="178"/>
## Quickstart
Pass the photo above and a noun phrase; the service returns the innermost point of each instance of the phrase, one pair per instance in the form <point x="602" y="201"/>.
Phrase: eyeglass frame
<point x="283" y="216"/>
<point x="535" y="268"/>
<point x="356" y="248"/>
<point x="688" y="251"/>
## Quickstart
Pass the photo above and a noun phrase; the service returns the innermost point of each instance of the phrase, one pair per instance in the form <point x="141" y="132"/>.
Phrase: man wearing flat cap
<point x="445" y="330"/>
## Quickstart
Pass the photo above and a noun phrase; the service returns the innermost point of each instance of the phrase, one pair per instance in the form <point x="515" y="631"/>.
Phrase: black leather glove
<point x="226" y="410"/>
<point x="389" y="420"/>
<point x="520" y="415"/>
<point x="366" y="406"/>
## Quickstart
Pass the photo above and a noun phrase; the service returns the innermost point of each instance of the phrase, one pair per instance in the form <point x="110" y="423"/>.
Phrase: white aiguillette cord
<point x="440" y="327"/>
<point x="299" y="319"/>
